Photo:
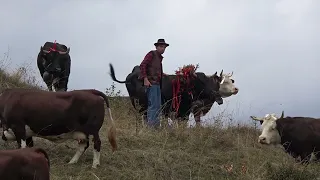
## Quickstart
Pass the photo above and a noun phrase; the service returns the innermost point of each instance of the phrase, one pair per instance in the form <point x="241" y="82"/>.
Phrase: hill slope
<point x="198" y="153"/>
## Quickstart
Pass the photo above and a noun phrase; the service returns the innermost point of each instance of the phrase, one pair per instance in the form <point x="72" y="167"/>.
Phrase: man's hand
<point x="146" y="82"/>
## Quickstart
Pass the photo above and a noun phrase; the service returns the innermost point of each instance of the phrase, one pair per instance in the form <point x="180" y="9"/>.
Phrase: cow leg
<point x="83" y="146"/>
<point x="59" y="85"/>
<point x="170" y="122"/>
<point x="305" y="157"/>
<point x="197" y="118"/>
<point x="143" y="116"/>
<point x="29" y="142"/>
<point x="144" y="120"/>
<point x="47" y="78"/>
<point x="96" y="150"/>
<point x="20" y="134"/>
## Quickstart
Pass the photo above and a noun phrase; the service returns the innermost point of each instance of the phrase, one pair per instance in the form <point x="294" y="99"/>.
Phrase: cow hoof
<point x="94" y="166"/>
<point x="72" y="161"/>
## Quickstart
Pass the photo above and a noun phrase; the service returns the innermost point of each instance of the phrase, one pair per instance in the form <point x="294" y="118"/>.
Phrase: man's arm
<point x="143" y="66"/>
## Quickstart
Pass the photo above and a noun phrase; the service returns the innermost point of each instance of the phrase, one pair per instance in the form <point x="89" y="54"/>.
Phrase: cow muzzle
<point x="262" y="140"/>
<point x="219" y="100"/>
<point x="236" y="90"/>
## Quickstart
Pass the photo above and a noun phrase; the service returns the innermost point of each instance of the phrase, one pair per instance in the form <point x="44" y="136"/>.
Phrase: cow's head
<point x="207" y="87"/>
<point x="270" y="133"/>
<point x="227" y="87"/>
<point x="53" y="60"/>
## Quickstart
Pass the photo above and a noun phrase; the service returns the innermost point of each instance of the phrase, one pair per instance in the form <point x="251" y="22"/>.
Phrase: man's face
<point x="161" y="48"/>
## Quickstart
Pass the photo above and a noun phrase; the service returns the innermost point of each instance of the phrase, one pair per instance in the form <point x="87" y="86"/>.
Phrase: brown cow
<point x="299" y="136"/>
<point x="56" y="116"/>
<point x="27" y="164"/>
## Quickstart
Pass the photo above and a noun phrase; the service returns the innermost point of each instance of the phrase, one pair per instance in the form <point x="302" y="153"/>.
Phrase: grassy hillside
<point x="197" y="153"/>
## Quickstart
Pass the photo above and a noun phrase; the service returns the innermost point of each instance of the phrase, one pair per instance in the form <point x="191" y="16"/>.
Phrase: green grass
<point x="181" y="153"/>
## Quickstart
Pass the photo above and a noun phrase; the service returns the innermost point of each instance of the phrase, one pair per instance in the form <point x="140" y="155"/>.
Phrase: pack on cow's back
<point x="59" y="47"/>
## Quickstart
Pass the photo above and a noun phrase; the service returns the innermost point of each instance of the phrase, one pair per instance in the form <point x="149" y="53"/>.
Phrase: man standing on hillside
<point x="151" y="73"/>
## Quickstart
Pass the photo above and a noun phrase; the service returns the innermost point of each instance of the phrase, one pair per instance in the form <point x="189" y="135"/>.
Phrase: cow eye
<point x="232" y="80"/>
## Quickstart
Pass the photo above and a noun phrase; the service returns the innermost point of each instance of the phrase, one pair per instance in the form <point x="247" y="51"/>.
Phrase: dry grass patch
<point x="182" y="153"/>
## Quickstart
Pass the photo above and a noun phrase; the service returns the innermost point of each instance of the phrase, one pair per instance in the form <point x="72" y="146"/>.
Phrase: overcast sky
<point x="271" y="46"/>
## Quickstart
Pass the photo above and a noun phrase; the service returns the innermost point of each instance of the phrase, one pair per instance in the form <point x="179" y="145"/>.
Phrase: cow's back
<point x="28" y="164"/>
<point x="303" y="133"/>
<point x="59" y="47"/>
<point x="61" y="110"/>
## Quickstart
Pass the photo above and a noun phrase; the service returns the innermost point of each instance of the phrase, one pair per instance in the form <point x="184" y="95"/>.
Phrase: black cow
<point x="54" y="64"/>
<point x="204" y="87"/>
<point x="298" y="135"/>
<point x="56" y="116"/>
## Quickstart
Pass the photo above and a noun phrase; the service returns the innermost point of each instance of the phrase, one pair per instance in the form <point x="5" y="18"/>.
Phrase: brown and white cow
<point x="56" y="116"/>
<point x="27" y="164"/>
<point x="300" y="136"/>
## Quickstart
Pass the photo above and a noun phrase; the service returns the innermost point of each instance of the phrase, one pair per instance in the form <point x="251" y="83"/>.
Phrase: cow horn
<point x="45" y="51"/>
<point x="67" y="52"/>
<point x="256" y="119"/>
<point x="222" y="81"/>
<point x="194" y="74"/>
<point x="221" y="72"/>
<point x="282" y="115"/>
<point x="215" y="73"/>
<point x="230" y="74"/>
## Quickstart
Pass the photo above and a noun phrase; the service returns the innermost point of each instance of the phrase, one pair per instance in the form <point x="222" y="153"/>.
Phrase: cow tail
<point x="112" y="128"/>
<point x="113" y="76"/>
<point x="42" y="151"/>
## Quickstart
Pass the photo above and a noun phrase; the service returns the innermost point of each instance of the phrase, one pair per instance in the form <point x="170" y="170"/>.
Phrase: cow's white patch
<point x="57" y="138"/>
<point x="23" y="144"/>
<point x="29" y="132"/>
<point x="65" y="136"/>
<point x="269" y="135"/>
<point x="170" y="122"/>
<point x="9" y="135"/>
<point x="78" y="153"/>
<point x="96" y="158"/>
<point x="227" y="87"/>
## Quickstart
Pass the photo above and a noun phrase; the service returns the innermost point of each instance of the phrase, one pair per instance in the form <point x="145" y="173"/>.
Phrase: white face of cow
<point x="227" y="87"/>
<point x="270" y="135"/>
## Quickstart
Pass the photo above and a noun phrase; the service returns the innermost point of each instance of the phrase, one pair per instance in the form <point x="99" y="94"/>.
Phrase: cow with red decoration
<point x="54" y="64"/>
<point x="178" y="91"/>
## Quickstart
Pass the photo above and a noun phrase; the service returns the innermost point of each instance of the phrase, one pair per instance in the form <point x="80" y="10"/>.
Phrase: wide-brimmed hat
<point x="160" y="42"/>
